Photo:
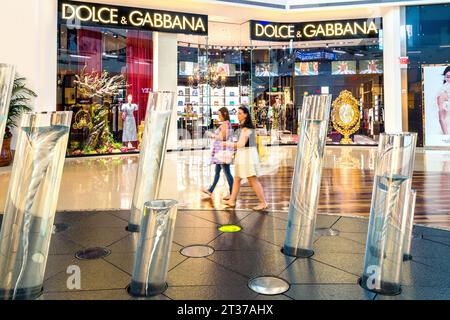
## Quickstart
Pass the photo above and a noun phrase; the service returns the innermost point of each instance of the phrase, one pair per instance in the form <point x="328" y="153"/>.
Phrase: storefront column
<point x="165" y="77"/>
<point x="28" y="29"/>
<point x="165" y="59"/>
<point x="392" y="71"/>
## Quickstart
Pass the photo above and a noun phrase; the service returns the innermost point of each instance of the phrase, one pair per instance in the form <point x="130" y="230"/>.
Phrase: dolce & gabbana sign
<point x="313" y="31"/>
<point x="92" y="14"/>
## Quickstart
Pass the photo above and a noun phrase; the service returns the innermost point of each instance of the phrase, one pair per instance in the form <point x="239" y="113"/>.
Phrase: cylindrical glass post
<point x="387" y="225"/>
<point x="31" y="203"/>
<point x="152" y="256"/>
<point x="410" y="207"/>
<point x="307" y="176"/>
<point x="153" y="150"/>
<point x="7" y="73"/>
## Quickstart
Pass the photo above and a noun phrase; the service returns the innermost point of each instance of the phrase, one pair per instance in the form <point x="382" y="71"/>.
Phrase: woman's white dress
<point x="246" y="160"/>
<point x="129" y="124"/>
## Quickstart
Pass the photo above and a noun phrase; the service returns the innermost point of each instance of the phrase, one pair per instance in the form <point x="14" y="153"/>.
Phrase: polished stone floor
<point x="96" y="194"/>
<point x="331" y="273"/>
<point x="106" y="183"/>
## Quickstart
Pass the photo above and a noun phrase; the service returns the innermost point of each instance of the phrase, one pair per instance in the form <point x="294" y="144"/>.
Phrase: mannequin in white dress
<point x="129" y="123"/>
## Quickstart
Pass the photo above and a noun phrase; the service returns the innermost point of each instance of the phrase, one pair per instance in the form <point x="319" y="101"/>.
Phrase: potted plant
<point x="20" y="103"/>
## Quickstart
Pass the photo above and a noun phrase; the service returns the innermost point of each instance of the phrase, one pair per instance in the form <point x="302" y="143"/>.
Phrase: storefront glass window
<point x="428" y="44"/>
<point x="104" y="77"/>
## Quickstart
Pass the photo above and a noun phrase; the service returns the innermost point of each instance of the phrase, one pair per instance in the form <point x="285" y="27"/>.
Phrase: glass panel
<point x="104" y="77"/>
<point x="428" y="45"/>
<point x="273" y="78"/>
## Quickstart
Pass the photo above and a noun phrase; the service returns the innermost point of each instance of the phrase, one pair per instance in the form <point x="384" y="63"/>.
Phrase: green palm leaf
<point x="20" y="102"/>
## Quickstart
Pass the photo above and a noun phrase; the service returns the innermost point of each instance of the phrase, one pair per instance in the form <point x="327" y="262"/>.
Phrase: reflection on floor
<point x="106" y="183"/>
<point x="331" y="273"/>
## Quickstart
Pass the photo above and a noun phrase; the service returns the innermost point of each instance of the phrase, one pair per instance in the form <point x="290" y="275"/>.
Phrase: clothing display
<point x="277" y="117"/>
<point x="289" y="117"/>
<point x="129" y="125"/>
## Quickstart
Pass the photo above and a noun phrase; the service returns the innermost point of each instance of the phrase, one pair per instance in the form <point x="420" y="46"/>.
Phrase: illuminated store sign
<point x="92" y="14"/>
<point x="312" y="31"/>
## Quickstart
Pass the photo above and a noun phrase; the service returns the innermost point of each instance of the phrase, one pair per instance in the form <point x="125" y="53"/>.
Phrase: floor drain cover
<point x="230" y="228"/>
<point x="268" y="285"/>
<point x="59" y="227"/>
<point x="327" y="232"/>
<point x="197" y="251"/>
<point x="92" y="253"/>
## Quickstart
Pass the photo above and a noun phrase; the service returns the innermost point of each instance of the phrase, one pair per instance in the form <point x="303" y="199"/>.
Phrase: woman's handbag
<point x="225" y="156"/>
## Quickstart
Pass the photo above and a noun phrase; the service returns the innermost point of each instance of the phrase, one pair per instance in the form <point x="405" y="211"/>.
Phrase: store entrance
<point x="282" y="76"/>
<point x="353" y="67"/>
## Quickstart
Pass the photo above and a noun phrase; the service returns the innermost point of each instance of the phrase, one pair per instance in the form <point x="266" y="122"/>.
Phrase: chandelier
<point x="212" y="76"/>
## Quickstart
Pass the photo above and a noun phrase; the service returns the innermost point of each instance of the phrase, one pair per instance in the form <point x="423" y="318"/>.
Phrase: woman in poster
<point x="443" y="102"/>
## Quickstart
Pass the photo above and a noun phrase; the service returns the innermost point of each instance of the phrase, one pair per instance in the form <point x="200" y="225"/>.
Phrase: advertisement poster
<point x="436" y="91"/>
<point x="370" y="67"/>
<point x="343" y="67"/>
<point x="306" y="68"/>
<point x="266" y="70"/>
<point x="186" y="68"/>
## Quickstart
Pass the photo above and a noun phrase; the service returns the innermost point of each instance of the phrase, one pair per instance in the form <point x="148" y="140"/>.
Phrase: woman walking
<point x="246" y="162"/>
<point x="221" y="156"/>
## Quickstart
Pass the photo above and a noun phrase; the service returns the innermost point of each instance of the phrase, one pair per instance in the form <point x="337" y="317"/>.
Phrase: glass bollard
<point x="152" y="153"/>
<point x="31" y="203"/>
<point x="307" y="176"/>
<point x="409" y="225"/>
<point x="7" y="73"/>
<point x="387" y="225"/>
<point x="153" y="253"/>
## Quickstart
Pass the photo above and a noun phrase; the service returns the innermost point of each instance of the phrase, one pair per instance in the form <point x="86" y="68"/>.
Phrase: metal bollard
<point x="411" y="205"/>
<point x="307" y="176"/>
<point x="152" y="256"/>
<point x="153" y="151"/>
<point x="31" y="203"/>
<point x="387" y="225"/>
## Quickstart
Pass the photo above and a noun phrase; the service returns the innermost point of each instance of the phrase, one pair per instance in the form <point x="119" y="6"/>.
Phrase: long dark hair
<point x="225" y="113"/>
<point x="248" y="120"/>
<point x="445" y="72"/>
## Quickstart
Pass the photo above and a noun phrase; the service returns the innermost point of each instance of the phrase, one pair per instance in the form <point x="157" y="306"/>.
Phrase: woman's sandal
<point x="207" y="192"/>
<point x="229" y="204"/>
<point x="261" y="207"/>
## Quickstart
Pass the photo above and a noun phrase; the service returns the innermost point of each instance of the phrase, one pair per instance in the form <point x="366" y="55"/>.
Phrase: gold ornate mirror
<point x="346" y="115"/>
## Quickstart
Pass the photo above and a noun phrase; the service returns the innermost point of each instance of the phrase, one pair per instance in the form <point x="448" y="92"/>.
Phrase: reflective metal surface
<point x="151" y="262"/>
<point x="268" y="285"/>
<point x="59" y="227"/>
<point x="197" y="251"/>
<point x="305" y="188"/>
<point x="327" y="232"/>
